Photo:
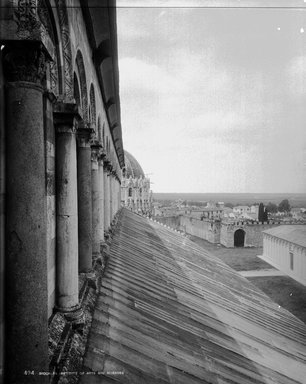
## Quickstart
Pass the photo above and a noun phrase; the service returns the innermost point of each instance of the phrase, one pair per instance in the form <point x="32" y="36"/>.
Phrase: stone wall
<point x="219" y="232"/>
<point x="253" y="233"/>
<point x="206" y="229"/>
<point x="278" y="252"/>
<point x="50" y="197"/>
<point x="171" y="221"/>
<point x="60" y="90"/>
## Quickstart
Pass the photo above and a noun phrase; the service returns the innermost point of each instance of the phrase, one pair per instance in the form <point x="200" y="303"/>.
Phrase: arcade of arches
<point x="61" y="161"/>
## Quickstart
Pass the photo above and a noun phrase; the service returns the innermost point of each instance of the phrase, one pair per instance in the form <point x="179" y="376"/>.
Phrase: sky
<point x="213" y="99"/>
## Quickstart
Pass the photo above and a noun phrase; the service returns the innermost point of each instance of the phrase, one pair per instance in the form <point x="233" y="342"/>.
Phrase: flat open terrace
<point x="169" y="312"/>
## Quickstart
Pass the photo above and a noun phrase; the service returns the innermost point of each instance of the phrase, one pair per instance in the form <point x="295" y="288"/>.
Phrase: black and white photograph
<point x="152" y="191"/>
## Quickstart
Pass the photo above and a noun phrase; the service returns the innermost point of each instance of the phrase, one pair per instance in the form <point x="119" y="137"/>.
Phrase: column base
<point x="76" y="317"/>
<point x="104" y="247"/>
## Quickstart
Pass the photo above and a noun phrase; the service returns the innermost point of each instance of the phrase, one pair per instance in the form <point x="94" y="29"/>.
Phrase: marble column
<point x="2" y="213"/>
<point x="26" y="290"/>
<point x="106" y="196"/>
<point x="84" y="199"/>
<point x="110" y="184"/>
<point x="65" y="120"/>
<point x="97" y="213"/>
<point x="114" y="194"/>
<point x="117" y="194"/>
<point x="101" y="199"/>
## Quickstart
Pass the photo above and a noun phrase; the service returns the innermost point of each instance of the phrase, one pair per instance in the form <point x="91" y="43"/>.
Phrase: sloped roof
<point x="294" y="233"/>
<point x="169" y="312"/>
<point x="132" y="167"/>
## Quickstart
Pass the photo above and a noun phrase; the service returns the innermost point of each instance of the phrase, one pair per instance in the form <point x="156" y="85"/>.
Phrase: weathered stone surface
<point x="168" y="312"/>
<point x="84" y="208"/>
<point x="26" y="228"/>
<point x="66" y="212"/>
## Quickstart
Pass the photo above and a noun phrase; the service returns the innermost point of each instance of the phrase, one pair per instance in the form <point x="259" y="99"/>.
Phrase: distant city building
<point x="135" y="187"/>
<point x="239" y="209"/>
<point x="212" y="213"/>
<point x="298" y="213"/>
<point x="284" y="247"/>
<point x="254" y="209"/>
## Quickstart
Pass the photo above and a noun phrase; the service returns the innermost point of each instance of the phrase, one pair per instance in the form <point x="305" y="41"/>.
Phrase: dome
<point x="132" y="167"/>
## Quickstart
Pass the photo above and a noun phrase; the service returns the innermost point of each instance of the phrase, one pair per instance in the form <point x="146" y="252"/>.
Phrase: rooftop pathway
<point x="262" y="273"/>
<point x="169" y="312"/>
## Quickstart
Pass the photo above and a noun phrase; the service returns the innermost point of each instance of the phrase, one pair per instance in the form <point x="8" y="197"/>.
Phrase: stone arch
<point x="92" y="104"/>
<point x="76" y="90"/>
<point x="239" y="238"/>
<point x="83" y="86"/>
<point x="67" y="70"/>
<point x="99" y="129"/>
<point x="50" y="24"/>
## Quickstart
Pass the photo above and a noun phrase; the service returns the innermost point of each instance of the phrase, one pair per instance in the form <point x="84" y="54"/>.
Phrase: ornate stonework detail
<point x="93" y="108"/>
<point x="54" y="77"/>
<point x="83" y="85"/>
<point x="46" y="26"/>
<point x="25" y="15"/>
<point x="44" y="18"/>
<point x="25" y="62"/>
<point x="68" y="72"/>
<point x="85" y="136"/>
<point x="95" y="153"/>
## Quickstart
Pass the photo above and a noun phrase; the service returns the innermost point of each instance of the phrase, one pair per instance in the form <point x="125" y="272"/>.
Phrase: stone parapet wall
<point x="204" y="229"/>
<point x="253" y="232"/>
<point x="171" y="221"/>
<point x="220" y="232"/>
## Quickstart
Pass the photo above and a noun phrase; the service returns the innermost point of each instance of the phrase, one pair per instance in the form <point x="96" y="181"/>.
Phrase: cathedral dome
<point x="132" y="167"/>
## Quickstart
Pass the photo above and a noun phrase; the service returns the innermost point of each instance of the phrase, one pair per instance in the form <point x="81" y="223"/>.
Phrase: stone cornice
<point x="22" y="24"/>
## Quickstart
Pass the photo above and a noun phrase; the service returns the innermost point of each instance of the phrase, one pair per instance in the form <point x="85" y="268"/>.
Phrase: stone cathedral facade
<point x="61" y="162"/>
<point x="136" y="194"/>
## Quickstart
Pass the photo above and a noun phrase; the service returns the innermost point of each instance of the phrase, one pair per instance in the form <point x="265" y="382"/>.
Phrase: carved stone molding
<point x="25" y="16"/>
<point x="67" y="54"/>
<point x="25" y="61"/>
<point x="106" y="163"/>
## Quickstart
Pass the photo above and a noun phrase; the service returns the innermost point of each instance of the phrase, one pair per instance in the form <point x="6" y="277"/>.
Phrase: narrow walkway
<point x="169" y="312"/>
<point x="262" y="273"/>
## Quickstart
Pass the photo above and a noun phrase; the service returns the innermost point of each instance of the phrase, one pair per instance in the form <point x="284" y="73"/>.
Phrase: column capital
<point x="110" y="170"/>
<point x="66" y="117"/>
<point x="84" y="135"/>
<point x="107" y="164"/>
<point x="95" y="151"/>
<point x="25" y="61"/>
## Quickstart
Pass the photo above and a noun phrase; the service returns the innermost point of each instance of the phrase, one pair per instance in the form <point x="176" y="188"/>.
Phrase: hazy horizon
<point x="295" y="199"/>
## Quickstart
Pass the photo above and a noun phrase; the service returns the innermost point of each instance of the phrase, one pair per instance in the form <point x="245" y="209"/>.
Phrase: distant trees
<point x="271" y="207"/>
<point x="229" y="205"/>
<point x="284" y="206"/>
<point x="262" y="213"/>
